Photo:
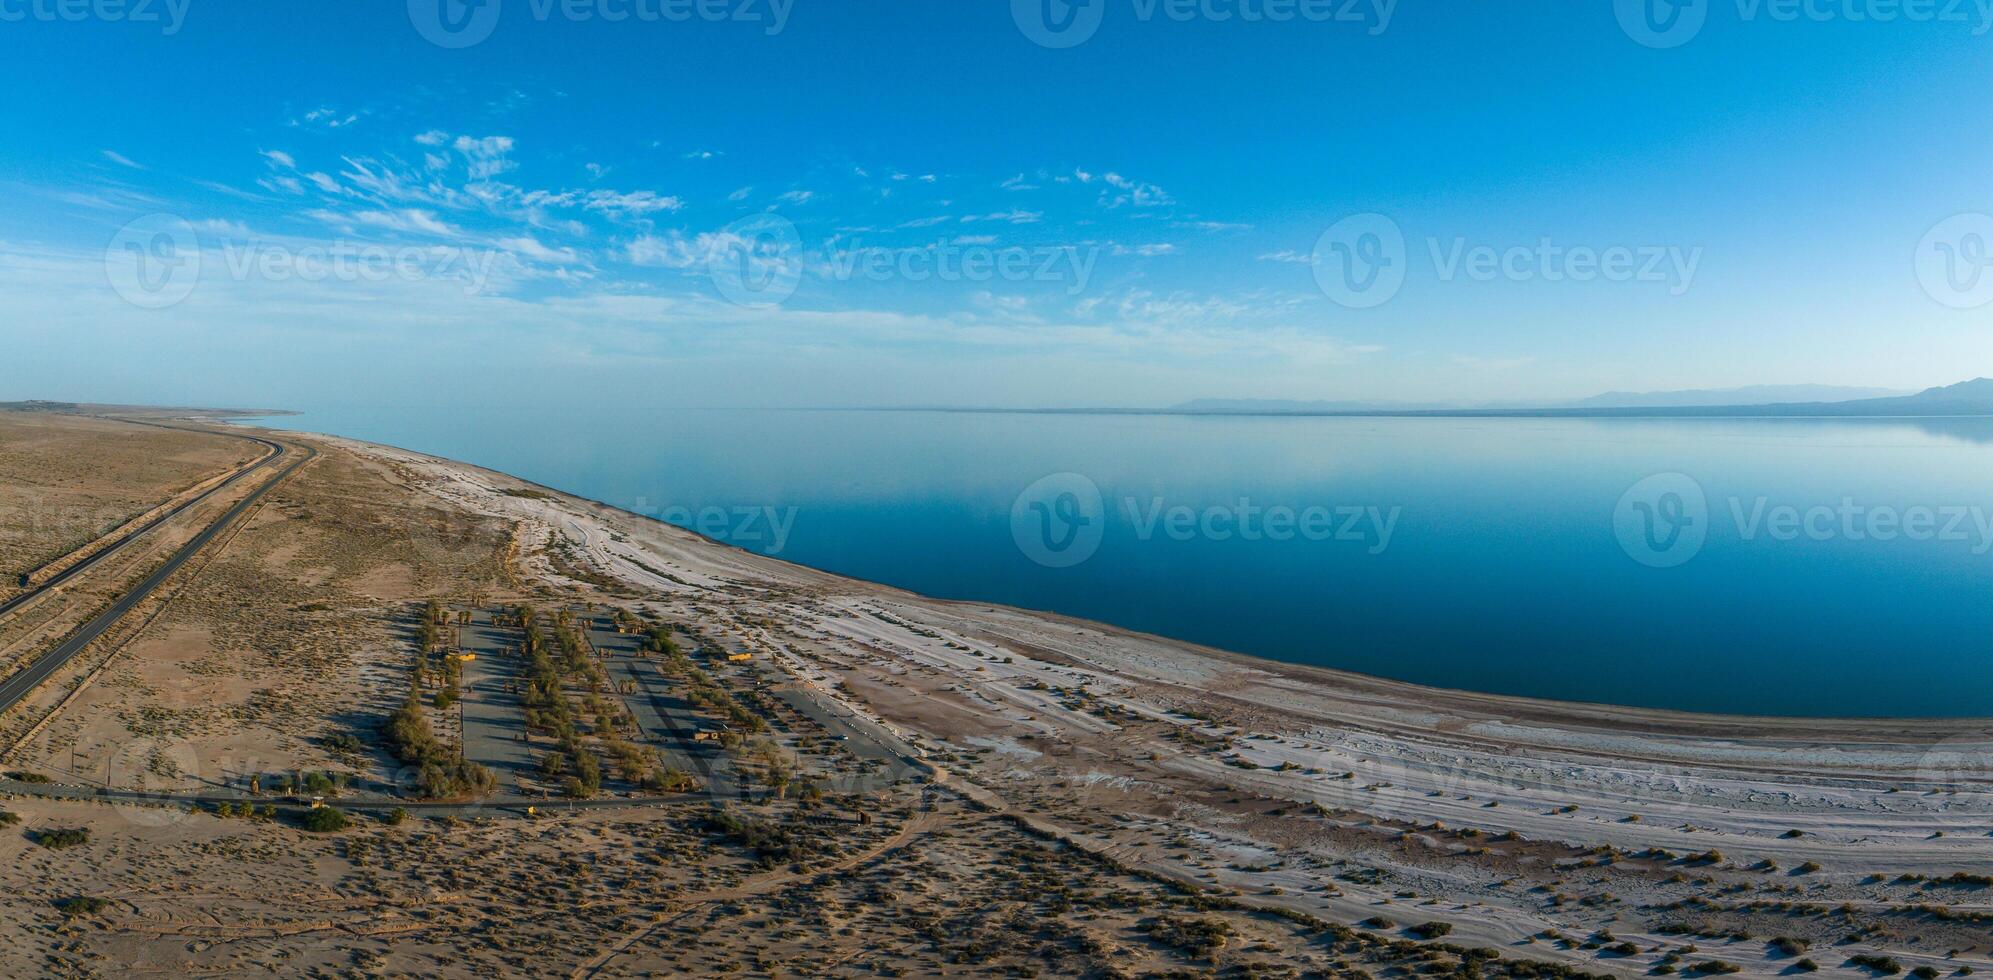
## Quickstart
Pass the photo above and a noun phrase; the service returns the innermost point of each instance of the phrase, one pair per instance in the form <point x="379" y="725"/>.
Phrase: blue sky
<point x="932" y="208"/>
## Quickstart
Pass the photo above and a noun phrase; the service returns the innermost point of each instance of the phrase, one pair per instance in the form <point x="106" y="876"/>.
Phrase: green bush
<point x="56" y="840"/>
<point x="396" y="817"/>
<point x="82" y="905"/>
<point x="323" y="820"/>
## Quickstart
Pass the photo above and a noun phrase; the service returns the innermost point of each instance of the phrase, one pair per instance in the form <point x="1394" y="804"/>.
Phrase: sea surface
<point x="1784" y="567"/>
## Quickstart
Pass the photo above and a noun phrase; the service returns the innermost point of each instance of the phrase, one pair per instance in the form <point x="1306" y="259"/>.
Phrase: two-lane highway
<point x="24" y="681"/>
<point x="54" y="582"/>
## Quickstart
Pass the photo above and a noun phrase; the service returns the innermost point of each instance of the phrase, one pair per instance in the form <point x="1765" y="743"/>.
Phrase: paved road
<point x="494" y="717"/>
<point x="883" y="758"/>
<point x="669" y="722"/>
<point x="114" y="547"/>
<point x="24" y="681"/>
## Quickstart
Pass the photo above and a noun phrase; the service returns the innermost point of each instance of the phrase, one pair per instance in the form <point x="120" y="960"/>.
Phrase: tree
<point x="324" y="820"/>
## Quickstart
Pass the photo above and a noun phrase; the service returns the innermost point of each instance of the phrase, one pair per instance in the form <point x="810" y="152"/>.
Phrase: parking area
<point x="706" y="708"/>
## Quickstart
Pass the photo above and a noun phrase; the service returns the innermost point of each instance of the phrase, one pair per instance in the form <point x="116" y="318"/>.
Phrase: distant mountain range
<point x="1752" y="395"/>
<point x="1967" y="398"/>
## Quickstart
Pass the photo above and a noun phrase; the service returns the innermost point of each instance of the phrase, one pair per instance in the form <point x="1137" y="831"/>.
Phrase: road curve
<point x="114" y="547"/>
<point x="24" y="681"/>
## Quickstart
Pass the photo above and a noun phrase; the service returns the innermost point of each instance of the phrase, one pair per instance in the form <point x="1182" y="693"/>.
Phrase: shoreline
<point x="1609" y="714"/>
<point x="1525" y="825"/>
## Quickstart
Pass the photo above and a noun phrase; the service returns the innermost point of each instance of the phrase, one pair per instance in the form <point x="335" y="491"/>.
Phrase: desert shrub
<point x="770" y="843"/>
<point x="1431" y="930"/>
<point x="1195" y="938"/>
<point x="1879" y="964"/>
<point x="395" y="817"/>
<point x="82" y="905"/>
<point x="323" y="820"/>
<point x="56" y="840"/>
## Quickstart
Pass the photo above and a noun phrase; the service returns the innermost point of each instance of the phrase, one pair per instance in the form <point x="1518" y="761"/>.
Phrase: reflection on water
<point x="1527" y="556"/>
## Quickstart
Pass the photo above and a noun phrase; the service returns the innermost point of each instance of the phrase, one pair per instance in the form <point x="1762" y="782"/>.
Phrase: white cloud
<point x="328" y="117"/>
<point x="1015" y="216"/>
<point x="634" y="203"/>
<point x="1134" y="192"/>
<point x="532" y="248"/>
<point x="407" y="220"/>
<point x="1287" y="255"/>
<point x="224" y="228"/>
<point x="796" y="197"/>
<point x="120" y="159"/>
<point x="740" y="195"/>
<point x="279" y="158"/>
<point x="486" y="155"/>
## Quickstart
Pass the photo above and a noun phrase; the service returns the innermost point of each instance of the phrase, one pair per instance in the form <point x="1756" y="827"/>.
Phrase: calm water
<point x="1783" y="567"/>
